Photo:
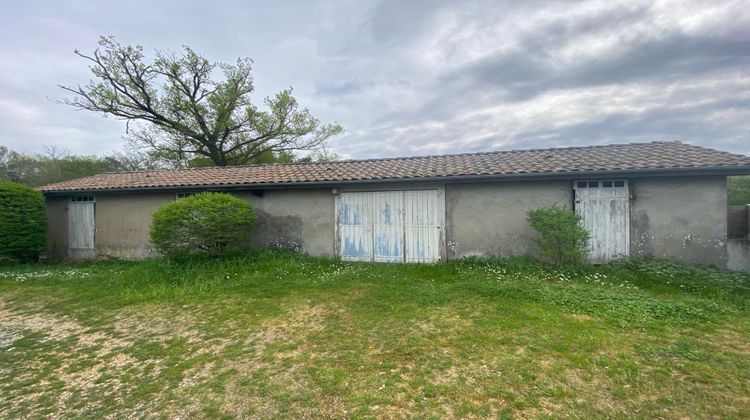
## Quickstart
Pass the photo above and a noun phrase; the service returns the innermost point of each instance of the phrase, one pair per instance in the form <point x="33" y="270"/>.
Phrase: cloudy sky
<point x="413" y="77"/>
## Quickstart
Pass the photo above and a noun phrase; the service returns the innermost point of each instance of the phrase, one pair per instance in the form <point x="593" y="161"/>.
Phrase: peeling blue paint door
<point x="389" y="226"/>
<point x="355" y="227"/>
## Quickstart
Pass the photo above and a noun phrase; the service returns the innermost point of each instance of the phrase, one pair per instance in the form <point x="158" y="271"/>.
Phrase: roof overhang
<point x="529" y="176"/>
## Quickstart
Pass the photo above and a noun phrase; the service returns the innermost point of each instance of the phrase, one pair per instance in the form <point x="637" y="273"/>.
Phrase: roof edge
<point x="687" y="171"/>
<point x="414" y="157"/>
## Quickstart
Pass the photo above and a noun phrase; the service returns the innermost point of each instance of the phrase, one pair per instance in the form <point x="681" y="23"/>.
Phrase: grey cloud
<point x="665" y="124"/>
<point x="716" y="116"/>
<point x="417" y="77"/>
<point x="532" y="67"/>
<point x="334" y="88"/>
<point x="521" y="75"/>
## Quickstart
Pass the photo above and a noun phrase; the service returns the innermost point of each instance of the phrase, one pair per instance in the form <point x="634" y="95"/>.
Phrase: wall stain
<point x="281" y="232"/>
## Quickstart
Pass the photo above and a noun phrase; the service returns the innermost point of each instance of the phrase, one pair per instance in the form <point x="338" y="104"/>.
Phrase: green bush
<point x="206" y="224"/>
<point x="562" y="239"/>
<point x="23" y="222"/>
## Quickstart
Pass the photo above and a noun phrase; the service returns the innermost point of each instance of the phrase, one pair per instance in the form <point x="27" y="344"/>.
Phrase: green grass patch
<point x="272" y="334"/>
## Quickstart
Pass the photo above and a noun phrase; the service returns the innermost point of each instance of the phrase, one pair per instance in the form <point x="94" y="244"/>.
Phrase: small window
<point x="606" y="184"/>
<point x="581" y="184"/>
<point x="619" y="183"/>
<point x="593" y="184"/>
<point x="82" y="198"/>
<point x="181" y="195"/>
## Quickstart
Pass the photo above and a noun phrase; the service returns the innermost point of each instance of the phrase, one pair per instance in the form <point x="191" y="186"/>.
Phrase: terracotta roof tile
<point x="618" y="157"/>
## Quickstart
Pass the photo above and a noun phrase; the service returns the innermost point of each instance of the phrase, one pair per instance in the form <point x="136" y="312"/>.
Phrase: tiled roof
<point x="620" y="158"/>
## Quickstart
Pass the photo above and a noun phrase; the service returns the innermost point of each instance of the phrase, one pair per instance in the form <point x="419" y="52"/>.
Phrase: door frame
<point x="440" y="209"/>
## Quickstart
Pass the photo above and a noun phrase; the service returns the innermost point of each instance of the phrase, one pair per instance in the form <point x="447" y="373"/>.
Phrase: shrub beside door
<point x="563" y="240"/>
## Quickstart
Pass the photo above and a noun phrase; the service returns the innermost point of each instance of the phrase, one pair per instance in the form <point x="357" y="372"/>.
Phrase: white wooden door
<point x="389" y="226"/>
<point x="355" y="227"/>
<point x="81" y="228"/>
<point x="604" y="206"/>
<point x="422" y="226"/>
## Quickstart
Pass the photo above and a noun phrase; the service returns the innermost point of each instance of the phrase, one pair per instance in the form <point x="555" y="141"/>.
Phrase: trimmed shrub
<point x="23" y="222"/>
<point x="205" y="224"/>
<point x="562" y="238"/>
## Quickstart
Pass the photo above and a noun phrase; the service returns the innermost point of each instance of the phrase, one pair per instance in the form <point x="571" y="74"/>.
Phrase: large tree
<point x="175" y="106"/>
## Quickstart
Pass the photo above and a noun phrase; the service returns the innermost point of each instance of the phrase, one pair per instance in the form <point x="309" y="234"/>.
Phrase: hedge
<point x="23" y="222"/>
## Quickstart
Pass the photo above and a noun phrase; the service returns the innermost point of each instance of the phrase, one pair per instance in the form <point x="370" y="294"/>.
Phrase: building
<point x="660" y="199"/>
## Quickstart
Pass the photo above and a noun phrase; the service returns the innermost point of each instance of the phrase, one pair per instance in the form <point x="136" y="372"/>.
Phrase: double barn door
<point x="389" y="226"/>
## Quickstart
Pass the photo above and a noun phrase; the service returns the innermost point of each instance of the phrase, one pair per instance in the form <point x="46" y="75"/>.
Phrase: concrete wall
<point x="300" y="219"/>
<point x="296" y="219"/>
<point x="123" y="222"/>
<point x="489" y="219"/>
<point x="682" y="218"/>
<point x="738" y="254"/>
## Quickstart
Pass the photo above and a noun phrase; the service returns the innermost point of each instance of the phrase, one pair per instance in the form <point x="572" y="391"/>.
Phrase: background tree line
<point x="56" y="165"/>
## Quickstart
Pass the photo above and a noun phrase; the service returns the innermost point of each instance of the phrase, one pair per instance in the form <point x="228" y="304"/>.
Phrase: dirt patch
<point x="581" y="317"/>
<point x="101" y="362"/>
<point x="54" y="328"/>
<point x="255" y="358"/>
<point x="292" y="328"/>
<point x="98" y="362"/>
<point x="727" y="339"/>
<point x="443" y="321"/>
<point x="8" y="337"/>
<point x="294" y="324"/>
<point x="157" y="324"/>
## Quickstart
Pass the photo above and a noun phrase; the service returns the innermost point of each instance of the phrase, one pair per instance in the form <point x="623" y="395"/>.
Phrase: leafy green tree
<point x="563" y="240"/>
<point x="23" y="222"/>
<point x="265" y="157"/>
<point x="738" y="190"/>
<point x="205" y="224"/>
<point x="179" y="108"/>
<point x="55" y="166"/>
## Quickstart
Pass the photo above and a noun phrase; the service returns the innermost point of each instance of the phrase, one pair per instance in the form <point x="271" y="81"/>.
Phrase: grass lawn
<point x="282" y="335"/>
